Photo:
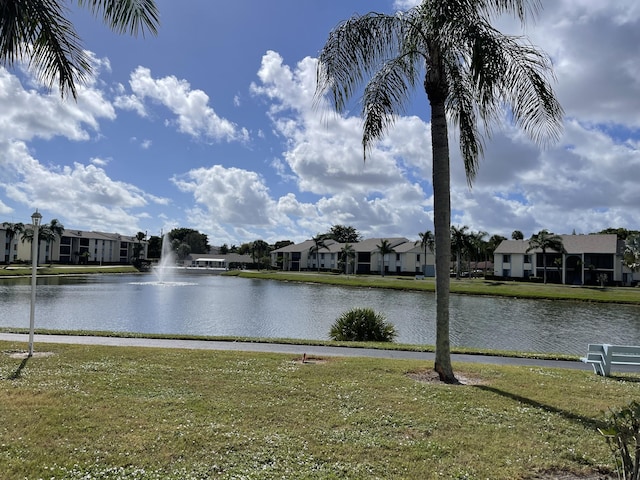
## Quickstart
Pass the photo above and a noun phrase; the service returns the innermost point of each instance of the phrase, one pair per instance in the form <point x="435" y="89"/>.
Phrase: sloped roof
<point x="371" y="244"/>
<point x="573" y="244"/>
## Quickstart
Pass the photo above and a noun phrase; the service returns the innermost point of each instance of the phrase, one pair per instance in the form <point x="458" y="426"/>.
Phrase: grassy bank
<point x="476" y="286"/>
<point x="18" y="271"/>
<point x="134" y="413"/>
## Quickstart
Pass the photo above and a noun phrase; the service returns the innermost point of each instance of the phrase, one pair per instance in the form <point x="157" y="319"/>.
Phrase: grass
<point x="89" y="412"/>
<point x="476" y="286"/>
<point x="23" y="270"/>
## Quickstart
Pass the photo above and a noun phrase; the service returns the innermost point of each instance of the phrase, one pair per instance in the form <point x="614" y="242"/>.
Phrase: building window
<point x="506" y="258"/>
<point x="417" y="257"/>
<point x="397" y="257"/>
<point x="527" y="259"/>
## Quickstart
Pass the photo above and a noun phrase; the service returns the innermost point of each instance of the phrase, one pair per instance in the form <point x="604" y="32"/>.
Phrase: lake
<point x="230" y="306"/>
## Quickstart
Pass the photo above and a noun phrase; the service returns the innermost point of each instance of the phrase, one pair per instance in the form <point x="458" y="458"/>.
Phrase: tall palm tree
<point x="460" y="244"/>
<point x="39" y="32"/>
<point x="318" y="243"/>
<point x="469" y="72"/>
<point x="348" y="255"/>
<point x="384" y="249"/>
<point x="543" y="240"/>
<point x="477" y="249"/>
<point x="47" y="232"/>
<point x="427" y="241"/>
<point x="12" y="230"/>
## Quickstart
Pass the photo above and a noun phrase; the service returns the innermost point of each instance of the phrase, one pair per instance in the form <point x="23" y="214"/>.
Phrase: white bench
<point x="603" y="356"/>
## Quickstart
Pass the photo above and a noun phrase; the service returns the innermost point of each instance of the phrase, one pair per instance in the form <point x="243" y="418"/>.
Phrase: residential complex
<point x="74" y="247"/>
<point x="407" y="258"/>
<point x="587" y="260"/>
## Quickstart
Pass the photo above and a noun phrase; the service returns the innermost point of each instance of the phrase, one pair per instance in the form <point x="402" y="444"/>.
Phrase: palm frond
<point x="126" y="16"/>
<point x="386" y="96"/>
<point x="353" y="51"/>
<point x="37" y="30"/>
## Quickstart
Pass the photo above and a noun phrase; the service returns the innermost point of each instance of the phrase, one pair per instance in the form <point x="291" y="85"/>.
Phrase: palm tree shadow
<point x="587" y="422"/>
<point x="18" y="373"/>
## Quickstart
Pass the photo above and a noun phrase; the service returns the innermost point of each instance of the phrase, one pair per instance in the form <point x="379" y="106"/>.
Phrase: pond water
<point x="231" y="306"/>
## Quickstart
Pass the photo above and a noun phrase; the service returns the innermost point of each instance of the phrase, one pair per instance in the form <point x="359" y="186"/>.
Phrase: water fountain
<point x="166" y="269"/>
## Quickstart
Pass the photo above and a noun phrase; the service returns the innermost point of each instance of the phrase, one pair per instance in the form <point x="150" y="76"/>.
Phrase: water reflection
<point x="231" y="306"/>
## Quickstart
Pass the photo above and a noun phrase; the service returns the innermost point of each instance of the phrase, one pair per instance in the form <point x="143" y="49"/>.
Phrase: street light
<point x="35" y="219"/>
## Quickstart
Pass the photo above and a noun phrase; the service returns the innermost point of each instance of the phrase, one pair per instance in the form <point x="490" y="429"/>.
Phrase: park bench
<point x="603" y="356"/>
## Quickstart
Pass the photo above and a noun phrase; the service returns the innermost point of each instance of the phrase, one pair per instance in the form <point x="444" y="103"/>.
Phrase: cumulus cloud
<point x="84" y="193"/>
<point x="28" y="114"/>
<point x="191" y="107"/>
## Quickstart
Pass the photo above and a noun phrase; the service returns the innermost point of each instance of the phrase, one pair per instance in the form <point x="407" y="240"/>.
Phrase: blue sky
<point x="210" y="125"/>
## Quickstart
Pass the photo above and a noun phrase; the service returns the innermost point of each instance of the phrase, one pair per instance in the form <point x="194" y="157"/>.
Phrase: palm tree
<point x="12" y="230"/>
<point x="460" y="244"/>
<point x="477" y="249"/>
<point x="426" y="241"/>
<point x="544" y="241"/>
<point x="138" y="248"/>
<point x="517" y="235"/>
<point x="384" y="249"/>
<point x="469" y="71"/>
<point x="318" y="243"/>
<point x="47" y="232"/>
<point x="348" y="255"/>
<point x="40" y="33"/>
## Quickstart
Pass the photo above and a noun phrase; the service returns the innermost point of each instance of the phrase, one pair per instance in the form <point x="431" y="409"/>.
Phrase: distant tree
<point x="460" y="244"/>
<point x="138" y="248"/>
<point x="622" y="233"/>
<point x="12" y="230"/>
<point x="182" y="249"/>
<point x="260" y="253"/>
<point x="245" y="248"/>
<point x="234" y="249"/>
<point x="282" y="244"/>
<point x="154" y="249"/>
<point x="224" y="249"/>
<point x="517" y="235"/>
<point x="344" y="234"/>
<point x="493" y="243"/>
<point x="544" y="240"/>
<point x="477" y="249"/>
<point x="47" y="232"/>
<point x="40" y="33"/>
<point x="319" y="243"/>
<point x="198" y="242"/>
<point x="384" y="249"/>
<point x="632" y="252"/>
<point x="427" y="241"/>
<point x="347" y="255"/>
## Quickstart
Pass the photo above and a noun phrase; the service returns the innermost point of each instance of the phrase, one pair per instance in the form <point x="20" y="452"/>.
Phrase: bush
<point x="362" y="325"/>
<point x="623" y="436"/>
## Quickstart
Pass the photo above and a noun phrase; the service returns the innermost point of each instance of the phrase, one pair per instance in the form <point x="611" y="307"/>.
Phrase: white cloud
<point x="29" y="114"/>
<point x="84" y="193"/>
<point x="194" y="115"/>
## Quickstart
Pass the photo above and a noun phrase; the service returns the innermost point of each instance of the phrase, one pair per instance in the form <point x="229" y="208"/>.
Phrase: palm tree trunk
<point x="442" y="227"/>
<point x="544" y="266"/>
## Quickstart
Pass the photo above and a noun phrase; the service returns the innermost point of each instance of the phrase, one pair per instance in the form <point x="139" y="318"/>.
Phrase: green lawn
<point x="135" y="413"/>
<point x="21" y="270"/>
<point x="476" y="286"/>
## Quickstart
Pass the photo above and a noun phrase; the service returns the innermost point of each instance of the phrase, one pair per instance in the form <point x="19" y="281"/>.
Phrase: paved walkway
<point x="310" y="350"/>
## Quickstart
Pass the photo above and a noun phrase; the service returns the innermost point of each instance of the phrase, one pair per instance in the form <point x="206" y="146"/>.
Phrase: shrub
<point x="623" y="436"/>
<point x="362" y="325"/>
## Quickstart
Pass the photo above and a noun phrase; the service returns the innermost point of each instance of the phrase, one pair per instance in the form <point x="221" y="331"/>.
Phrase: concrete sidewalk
<point x="310" y="350"/>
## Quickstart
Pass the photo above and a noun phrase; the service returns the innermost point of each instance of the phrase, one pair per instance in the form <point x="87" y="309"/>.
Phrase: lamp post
<point x="35" y="218"/>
